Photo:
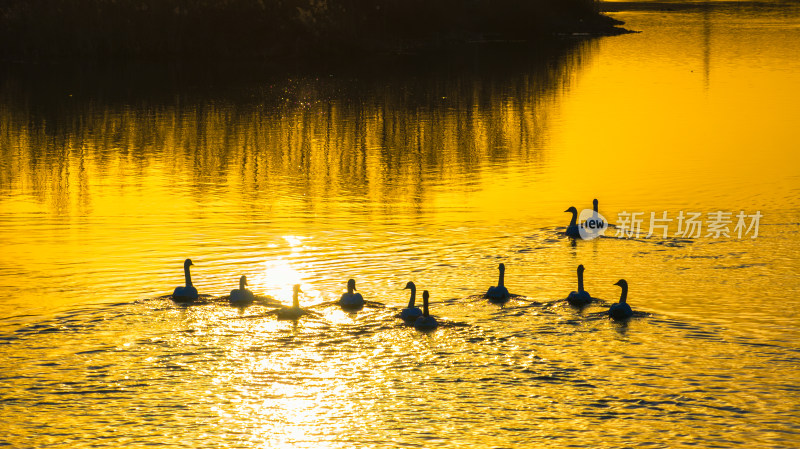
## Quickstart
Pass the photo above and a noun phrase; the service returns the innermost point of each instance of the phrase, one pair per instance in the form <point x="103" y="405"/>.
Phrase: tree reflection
<point x="380" y="133"/>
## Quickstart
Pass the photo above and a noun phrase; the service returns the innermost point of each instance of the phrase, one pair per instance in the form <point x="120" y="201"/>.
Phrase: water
<point x="431" y="172"/>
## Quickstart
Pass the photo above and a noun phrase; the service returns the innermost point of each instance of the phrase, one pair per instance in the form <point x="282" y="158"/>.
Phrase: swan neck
<point x="413" y="298"/>
<point x="624" y="296"/>
<point x="580" y="281"/>
<point x="425" y="306"/>
<point x="574" y="220"/>
<point x="188" y="275"/>
<point x="500" y="281"/>
<point x="296" y="300"/>
<point x="241" y="284"/>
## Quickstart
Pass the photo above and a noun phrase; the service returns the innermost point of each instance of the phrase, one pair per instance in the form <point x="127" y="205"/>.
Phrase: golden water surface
<point x="432" y="172"/>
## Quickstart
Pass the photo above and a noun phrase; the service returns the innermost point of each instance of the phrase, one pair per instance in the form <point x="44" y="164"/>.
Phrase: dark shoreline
<point x="287" y="31"/>
<point x="664" y="6"/>
<point x="73" y="81"/>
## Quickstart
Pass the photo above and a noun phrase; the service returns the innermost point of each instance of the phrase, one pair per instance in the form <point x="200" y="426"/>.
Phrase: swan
<point x="581" y="297"/>
<point x="621" y="310"/>
<point x="294" y="312"/>
<point x="425" y="322"/>
<point x="187" y="292"/>
<point x="573" y="230"/>
<point x="498" y="293"/>
<point x="350" y="300"/>
<point x="411" y="313"/>
<point x="242" y="295"/>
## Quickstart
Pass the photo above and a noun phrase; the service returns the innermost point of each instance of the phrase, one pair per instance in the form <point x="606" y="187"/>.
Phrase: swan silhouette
<point x="498" y="293"/>
<point x="425" y="322"/>
<point x="581" y="297"/>
<point x="411" y="313"/>
<point x="351" y="300"/>
<point x="573" y="230"/>
<point x="294" y="312"/>
<point x="242" y="295"/>
<point x="621" y="310"/>
<point x="187" y="292"/>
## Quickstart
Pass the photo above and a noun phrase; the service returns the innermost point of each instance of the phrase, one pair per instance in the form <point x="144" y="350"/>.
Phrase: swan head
<point x="351" y="284"/>
<point x="622" y="283"/>
<point x="581" y="269"/>
<point x="410" y="286"/>
<point x="594" y="204"/>
<point x="502" y="268"/>
<point x="243" y="280"/>
<point x="425" y="296"/>
<point x="187" y="263"/>
<point x="572" y="209"/>
<point x="296" y="296"/>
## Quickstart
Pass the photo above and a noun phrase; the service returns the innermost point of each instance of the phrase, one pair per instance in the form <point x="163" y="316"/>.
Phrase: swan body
<point x="621" y="310"/>
<point x="351" y="300"/>
<point x="425" y="322"/>
<point x="187" y="292"/>
<point x="294" y="312"/>
<point x="242" y="295"/>
<point x="581" y="297"/>
<point x="573" y="230"/>
<point x="498" y="293"/>
<point x="411" y="313"/>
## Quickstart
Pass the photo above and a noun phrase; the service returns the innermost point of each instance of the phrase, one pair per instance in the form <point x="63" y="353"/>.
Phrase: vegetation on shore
<point x="166" y="29"/>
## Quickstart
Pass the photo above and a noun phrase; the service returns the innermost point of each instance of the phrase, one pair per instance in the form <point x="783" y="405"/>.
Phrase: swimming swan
<point x="294" y="312"/>
<point x="242" y="295"/>
<point x="350" y="300"/>
<point x="581" y="297"/>
<point x="411" y="313"/>
<point x="425" y="322"/>
<point x="621" y="310"/>
<point x="573" y="230"/>
<point x="498" y="293"/>
<point x="187" y="292"/>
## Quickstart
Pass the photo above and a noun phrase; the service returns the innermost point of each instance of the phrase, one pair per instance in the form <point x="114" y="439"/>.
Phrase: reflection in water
<point x="326" y="137"/>
<point x="236" y="176"/>
<point x="706" y="46"/>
